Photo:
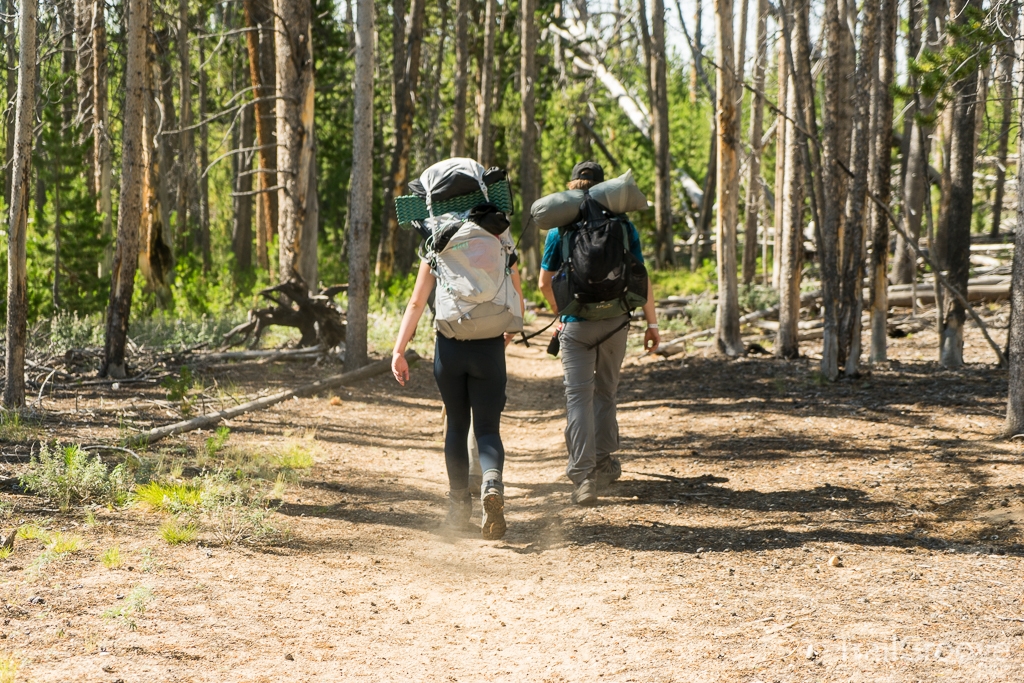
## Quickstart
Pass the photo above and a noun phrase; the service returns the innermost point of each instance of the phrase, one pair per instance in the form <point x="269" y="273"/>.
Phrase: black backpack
<point x="599" y="278"/>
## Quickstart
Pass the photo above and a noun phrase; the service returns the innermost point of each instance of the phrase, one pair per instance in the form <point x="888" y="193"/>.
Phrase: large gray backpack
<point x="475" y="297"/>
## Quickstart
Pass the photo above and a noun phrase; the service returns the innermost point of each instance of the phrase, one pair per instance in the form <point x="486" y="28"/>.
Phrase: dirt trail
<point x="709" y="561"/>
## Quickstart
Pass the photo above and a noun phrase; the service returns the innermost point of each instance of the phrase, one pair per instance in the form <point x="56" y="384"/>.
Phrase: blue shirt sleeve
<point x="634" y="243"/>
<point x="552" y="259"/>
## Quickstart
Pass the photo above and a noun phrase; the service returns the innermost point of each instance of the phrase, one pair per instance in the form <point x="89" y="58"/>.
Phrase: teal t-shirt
<point x="552" y="259"/>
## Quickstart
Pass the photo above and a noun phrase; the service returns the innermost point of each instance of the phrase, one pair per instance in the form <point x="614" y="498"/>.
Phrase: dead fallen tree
<point x="319" y="319"/>
<point x="678" y="345"/>
<point x="986" y="289"/>
<point x="213" y="419"/>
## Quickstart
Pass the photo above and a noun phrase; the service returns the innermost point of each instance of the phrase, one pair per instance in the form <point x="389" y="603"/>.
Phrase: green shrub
<point x="239" y="512"/>
<point x="69" y="475"/>
<point x="702" y="314"/>
<point x="757" y="297"/>
<point x="111" y="558"/>
<point x="176" y="533"/>
<point x="173" y="498"/>
<point x="215" y="443"/>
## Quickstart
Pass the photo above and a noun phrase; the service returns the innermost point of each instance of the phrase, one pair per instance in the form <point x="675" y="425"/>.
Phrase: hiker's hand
<point x="652" y="340"/>
<point x="400" y="368"/>
<point x="509" y="337"/>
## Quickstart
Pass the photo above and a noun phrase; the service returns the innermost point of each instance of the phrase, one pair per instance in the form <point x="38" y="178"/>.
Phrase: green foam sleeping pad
<point x="411" y="207"/>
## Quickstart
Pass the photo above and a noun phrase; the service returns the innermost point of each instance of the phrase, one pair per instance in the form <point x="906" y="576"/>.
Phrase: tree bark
<point x="84" y="10"/>
<point x="852" y="265"/>
<point x="1015" y="342"/>
<point x="828" y="230"/>
<point x="462" y="76"/>
<point x="727" y="321"/>
<point x="102" y="160"/>
<point x="653" y="37"/>
<point x="130" y="212"/>
<point x="528" y="167"/>
<point x="360" y="201"/>
<point x="1006" y="116"/>
<point x="881" y="171"/>
<point x="791" y="197"/>
<point x="17" y="279"/>
<point x="241" y="226"/>
<point x="404" y="108"/>
<point x="293" y="26"/>
<point x="915" y="182"/>
<point x="961" y="202"/>
<point x="484" y="143"/>
<point x="781" y="141"/>
<point x="167" y="179"/>
<point x="697" y="50"/>
<point x="752" y="205"/>
<point x="203" y="232"/>
<point x="186" y="136"/>
<point x="155" y="259"/>
<point x="258" y="17"/>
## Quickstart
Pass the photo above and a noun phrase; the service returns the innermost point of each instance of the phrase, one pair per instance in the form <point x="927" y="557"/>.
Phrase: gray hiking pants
<point x="591" y="378"/>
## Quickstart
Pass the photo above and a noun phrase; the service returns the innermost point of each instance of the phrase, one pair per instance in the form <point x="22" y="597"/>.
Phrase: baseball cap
<point x="588" y="170"/>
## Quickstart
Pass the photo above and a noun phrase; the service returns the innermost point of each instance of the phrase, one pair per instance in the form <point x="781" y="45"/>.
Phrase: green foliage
<point x="65" y="544"/>
<point x="134" y="606"/>
<point x="239" y="511"/>
<point x="754" y="297"/>
<point x="178" y="389"/>
<point x="215" y="443"/>
<point x="14" y="428"/>
<point x="111" y="557"/>
<point x="684" y="282"/>
<point x="68" y="475"/>
<point x="169" y="497"/>
<point x="176" y="532"/>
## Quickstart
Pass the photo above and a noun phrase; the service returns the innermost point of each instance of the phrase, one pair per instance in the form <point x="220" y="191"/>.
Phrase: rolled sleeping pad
<point x="618" y="195"/>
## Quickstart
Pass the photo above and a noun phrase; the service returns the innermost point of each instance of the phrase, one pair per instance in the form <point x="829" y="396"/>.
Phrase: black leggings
<point x="471" y="377"/>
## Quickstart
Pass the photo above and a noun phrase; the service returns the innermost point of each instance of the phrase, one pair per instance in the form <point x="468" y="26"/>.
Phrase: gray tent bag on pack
<point x="618" y="195"/>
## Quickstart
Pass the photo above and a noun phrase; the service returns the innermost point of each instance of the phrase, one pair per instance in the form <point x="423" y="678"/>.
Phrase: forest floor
<point x="708" y="561"/>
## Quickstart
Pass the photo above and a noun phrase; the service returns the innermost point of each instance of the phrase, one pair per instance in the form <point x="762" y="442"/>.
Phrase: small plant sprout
<point x="173" y="498"/>
<point x="8" y="668"/>
<point x="33" y="532"/>
<point x="176" y="533"/>
<point x="111" y="558"/>
<point x="5" y="553"/>
<point x="133" y="606"/>
<point x="90" y="519"/>
<point x="215" y="443"/>
<point x="64" y="544"/>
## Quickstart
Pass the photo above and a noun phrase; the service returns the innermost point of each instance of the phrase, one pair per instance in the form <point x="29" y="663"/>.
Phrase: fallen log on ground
<point x="212" y="419"/>
<point x="318" y="317"/>
<point x="678" y="345"/>
<point x="981" y="290"/>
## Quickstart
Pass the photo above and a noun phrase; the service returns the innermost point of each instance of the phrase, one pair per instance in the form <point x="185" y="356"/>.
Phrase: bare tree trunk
<point x="406" y="84"/>
<point x="781" y="141"/>
<point x="1015" y="342"/>
<point x="167" y="179"/>
<point x="1006" y="105"/>
<point x="360" y="202"/>
<point x="828" y="230"/>
<point x="961" y="203"/>
<point x="462" y="77"/>
<point x="701" y="247"/>
<point x="241" y="227"/>
<point x="752" y="205"/>
<point x="155" y="258"/>
<point x="791" y="197"/>
<point x="186" y="138"/>
<point x="657" y="91"/>
<point x="698" y="49"/>
<point x="913" y="46"/>
<point x="66" y="13"/>
<point x="484" y="143"/>
<point x="130" y="212"/>
<point x="528" y="169"/>
<point x="102" y="160"/>
<point x="880" y="177"/>
<point x="293" y="27"/>
<point x="727" y="321"/>
<point x="84" y="10"/>
<point x="915" y="182"/>
<point x="257" y="16"/>
<point x="204" y="161"/>
<point x="17" y="278"/>
<point x="851" y="297"/>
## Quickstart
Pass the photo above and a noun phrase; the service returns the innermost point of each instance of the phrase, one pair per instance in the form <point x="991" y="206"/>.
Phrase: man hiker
<point x="592" y="351"/>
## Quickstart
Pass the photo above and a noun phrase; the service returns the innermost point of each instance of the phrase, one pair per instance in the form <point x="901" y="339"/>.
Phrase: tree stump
<point x="320" y="319"/>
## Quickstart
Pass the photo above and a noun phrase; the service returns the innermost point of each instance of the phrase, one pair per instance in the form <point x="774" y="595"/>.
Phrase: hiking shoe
<point x="493" y="525"/>
<point x="460" y="509"/>
<point x="585" y="493"/>
<point x="607" y="471"/>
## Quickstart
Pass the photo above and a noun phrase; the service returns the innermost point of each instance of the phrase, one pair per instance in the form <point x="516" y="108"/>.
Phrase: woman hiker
<point x="470" y="374"/>
<point x="592" y="353"/>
